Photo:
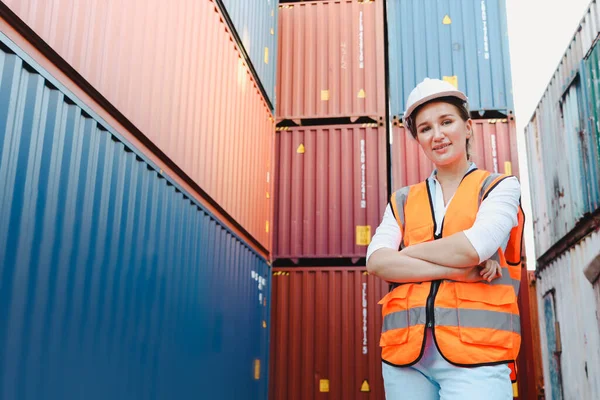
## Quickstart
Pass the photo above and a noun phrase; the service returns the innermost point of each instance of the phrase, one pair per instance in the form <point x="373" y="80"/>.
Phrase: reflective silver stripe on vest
<point x="401" y="196"/>
<point x="467" y="318"/>
<point x="506" y="279"/>
<point x="486" y="184"/>
<point x="404" y="319"/>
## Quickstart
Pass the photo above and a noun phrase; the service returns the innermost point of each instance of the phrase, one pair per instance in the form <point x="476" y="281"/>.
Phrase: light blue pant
<point x="434" y="378"/>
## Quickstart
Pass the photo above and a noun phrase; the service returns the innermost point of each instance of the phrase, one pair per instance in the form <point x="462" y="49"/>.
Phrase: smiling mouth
<point x="443" y="146"/>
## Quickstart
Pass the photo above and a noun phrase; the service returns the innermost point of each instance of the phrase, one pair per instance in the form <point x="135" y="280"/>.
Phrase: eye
<point x="447" y="122"/>
<point x="425" y="129"/>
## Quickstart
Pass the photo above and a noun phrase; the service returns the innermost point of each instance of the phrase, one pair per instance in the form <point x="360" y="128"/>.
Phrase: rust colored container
<point x="325" y="328"/>
<point x="331" y="60"/>
<point x="530" y="375"/>
<point x="330" y="190"/>
<point x="174" y="71"/>
<point x="494" y="149"/>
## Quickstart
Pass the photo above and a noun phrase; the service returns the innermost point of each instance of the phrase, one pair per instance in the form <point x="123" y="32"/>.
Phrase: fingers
<point x="491" y="271"/>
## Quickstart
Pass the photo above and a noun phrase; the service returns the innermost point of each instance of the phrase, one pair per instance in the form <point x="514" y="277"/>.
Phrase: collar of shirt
<point x="437" y="196"/>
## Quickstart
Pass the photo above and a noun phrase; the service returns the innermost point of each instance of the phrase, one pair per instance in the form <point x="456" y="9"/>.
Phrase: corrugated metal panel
<point x="589" y="27"/>
<point x="325" y="334"/>
<point x="174" y="71"/>
<point x="466" y="41"/>
<point x="255" y="22"/>
<point x="494" y="145"/>
<point x="331" y="190"/>
<point x="577" y="316"/>
<point x="562" y="143"/>
<point x="537" y="184"/>
<point x="331" y="60"/>
<point x="591" y="99"/>
<point x="114" y="282"/>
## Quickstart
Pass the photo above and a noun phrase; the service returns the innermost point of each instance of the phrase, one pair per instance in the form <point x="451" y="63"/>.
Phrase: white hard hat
<point x="428" y="90"/>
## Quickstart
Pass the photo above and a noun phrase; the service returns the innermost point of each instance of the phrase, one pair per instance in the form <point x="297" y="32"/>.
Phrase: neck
<point x="452" y="172"/>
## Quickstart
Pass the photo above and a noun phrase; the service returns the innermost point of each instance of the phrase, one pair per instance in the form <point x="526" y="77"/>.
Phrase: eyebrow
<point x="441" y="117"/>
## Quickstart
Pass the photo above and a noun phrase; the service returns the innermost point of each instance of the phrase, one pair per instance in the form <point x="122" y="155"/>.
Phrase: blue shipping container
<point x="462" y="41"/>
<point x="255" y="22"/>
<point x="114" y="282"/>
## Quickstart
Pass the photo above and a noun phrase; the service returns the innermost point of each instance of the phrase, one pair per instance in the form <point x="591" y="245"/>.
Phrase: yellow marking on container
<point x="272" y="13"/>
<point x="365" y="386"/>
<point x="447" y="20"/>
<point x="267" y="226"/>
<point x="452" y="79"/>
<point x="272" y="31"/>
<point x="324" y="385"/>
<point x="362" y="94"/>
<point x="325" y="95"/>
<point x="363" y="235"/>
<point x="515" y="389"/>
<point x="264" y="324"/>
<point x="266" y="55"/>
<point x="256" y="369"/>
<point x="300" y="149"/>
<point x="268" y="195"/>
<point x="507" y="167"/>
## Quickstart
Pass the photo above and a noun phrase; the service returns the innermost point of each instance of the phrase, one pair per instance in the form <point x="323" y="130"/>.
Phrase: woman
<point x="451" y="327"/>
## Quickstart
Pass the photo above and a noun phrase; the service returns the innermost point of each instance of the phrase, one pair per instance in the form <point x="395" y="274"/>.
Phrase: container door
<point x="554" y="346"/>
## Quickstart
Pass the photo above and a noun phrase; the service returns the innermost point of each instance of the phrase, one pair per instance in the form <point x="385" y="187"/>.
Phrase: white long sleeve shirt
<point x="495" y="219"/>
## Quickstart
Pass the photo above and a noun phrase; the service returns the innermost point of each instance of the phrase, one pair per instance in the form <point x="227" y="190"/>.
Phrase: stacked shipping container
<point x="116" y="281"/>
<point x="563" y="149"/>
<point x="176" y="74"/>
<point x="331" y="69"/>
<point x="330" y="194"/>
<point x="136" y="212"/>
<point x="327" y="344"/>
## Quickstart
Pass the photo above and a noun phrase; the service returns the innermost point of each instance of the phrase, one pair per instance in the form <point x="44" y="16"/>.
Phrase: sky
<point x="539" y="32"/>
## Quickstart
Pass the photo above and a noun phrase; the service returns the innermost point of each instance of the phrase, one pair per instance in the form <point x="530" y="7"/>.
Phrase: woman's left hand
<point x="490" y="270"/>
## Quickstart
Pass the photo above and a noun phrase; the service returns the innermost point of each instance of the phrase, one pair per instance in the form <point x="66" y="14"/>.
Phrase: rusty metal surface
<point x="325" y="333"/>
<point x="330" y="190"/>
<point x="577" y="313"/>
<point x="175" y="72"/>
<point x="494" y="145"/>
<point x="331" y="60"/>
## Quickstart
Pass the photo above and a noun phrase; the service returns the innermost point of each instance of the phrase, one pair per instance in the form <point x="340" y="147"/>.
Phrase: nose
<point x="437" y="132"/>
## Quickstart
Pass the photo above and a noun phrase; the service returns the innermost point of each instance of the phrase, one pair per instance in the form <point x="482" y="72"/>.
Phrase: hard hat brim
<point x="450" y="93"/>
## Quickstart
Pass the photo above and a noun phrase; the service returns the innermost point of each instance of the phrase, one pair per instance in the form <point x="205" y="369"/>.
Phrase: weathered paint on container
<point x="115" y="282"/>
<point x="465" y="42"/>
<point x="255" y="22"/>
<point x="561" y="142"/>
<point x="174" y="71"/>
<point x="330" y="190"/>
<point x="576" y="359"/>
<point x="325" y="331"/>
<point x="494" y="149"/>
<point x="331" y="60"/>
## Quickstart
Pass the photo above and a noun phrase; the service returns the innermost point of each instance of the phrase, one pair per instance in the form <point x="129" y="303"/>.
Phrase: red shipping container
<point x="494" y="149"/>
<point x="331" y="188"/>
<point x="331" y="60"/>
<point x="325" y="329"/>
<point x="173" y="70"/>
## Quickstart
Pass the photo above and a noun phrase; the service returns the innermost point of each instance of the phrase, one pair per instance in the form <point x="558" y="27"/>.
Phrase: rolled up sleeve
<point x="495" y="219"/>
<point x="387" y="235"/>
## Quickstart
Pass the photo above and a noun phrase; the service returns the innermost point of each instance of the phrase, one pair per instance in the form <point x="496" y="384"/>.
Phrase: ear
<point x="469" y="128"/>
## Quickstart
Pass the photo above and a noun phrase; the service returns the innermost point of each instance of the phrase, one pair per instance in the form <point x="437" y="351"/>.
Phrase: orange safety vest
<point x="473" y="324"/>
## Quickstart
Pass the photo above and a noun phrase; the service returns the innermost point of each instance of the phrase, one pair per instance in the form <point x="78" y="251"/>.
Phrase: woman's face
<point x="442" y="133"/>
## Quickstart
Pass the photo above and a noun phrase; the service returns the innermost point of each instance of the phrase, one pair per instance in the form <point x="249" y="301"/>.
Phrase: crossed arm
<point x="454" y="257"/>
<point x="448" y="258"/>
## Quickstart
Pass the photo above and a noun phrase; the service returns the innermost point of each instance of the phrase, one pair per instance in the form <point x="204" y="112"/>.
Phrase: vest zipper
<point x="429" y="315"/>
<point x="435" y="285"/>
